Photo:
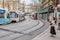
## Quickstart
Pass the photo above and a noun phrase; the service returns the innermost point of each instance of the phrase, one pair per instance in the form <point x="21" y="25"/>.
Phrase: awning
<point x="43" y="11"/>
<point x="46" y="10"/>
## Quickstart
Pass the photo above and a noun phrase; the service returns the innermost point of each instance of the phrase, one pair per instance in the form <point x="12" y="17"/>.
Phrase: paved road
<point x="34" y="33"/>
<point x="25" y="30"/>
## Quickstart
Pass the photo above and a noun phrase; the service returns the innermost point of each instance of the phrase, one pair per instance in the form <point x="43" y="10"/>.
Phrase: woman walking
<point x="52" y="29"/>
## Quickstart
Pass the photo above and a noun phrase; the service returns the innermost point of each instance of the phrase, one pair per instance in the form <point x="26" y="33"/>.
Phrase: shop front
<point x="43" y="14"/>
<point x="46" y="13"/>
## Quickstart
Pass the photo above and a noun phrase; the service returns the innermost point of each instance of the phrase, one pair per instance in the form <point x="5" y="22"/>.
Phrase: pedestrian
<point x="52" y="29"/>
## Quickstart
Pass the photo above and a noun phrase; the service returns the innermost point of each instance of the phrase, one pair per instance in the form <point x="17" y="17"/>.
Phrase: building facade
<point x="9" y="4"/>
<point x="49" y="4"/>
<point x="46" y="12"/>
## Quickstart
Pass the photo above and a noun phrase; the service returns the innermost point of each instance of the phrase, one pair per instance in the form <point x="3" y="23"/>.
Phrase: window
<point x="1" y="15"/>
<point x="13" y="15"/>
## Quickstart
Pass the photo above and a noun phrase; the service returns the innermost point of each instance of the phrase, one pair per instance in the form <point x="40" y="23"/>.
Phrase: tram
<point x="15" y="16"/>
<point x="3" y="17"/>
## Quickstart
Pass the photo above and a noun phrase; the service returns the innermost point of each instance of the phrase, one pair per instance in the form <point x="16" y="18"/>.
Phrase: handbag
<point x="51" y="23"/>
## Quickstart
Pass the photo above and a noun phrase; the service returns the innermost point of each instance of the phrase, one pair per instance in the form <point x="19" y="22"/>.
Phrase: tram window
<point x="1" y="15"/>
<point x="16" y="15"/>
<point x="13" y="15"/>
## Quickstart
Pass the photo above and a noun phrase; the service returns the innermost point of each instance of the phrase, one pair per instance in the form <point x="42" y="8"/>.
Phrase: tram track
<point x="14" y="32"/>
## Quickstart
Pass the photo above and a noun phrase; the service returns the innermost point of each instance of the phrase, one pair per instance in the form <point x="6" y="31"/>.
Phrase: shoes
<point x="52" y="36"/>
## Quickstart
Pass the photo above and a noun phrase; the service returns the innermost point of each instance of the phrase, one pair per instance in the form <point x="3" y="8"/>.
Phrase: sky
<point x="26" y="1"/>
<point x="30" y="1"/>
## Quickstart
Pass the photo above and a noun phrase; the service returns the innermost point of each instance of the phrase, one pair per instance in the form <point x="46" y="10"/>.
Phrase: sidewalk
<point x="47" y="36"/>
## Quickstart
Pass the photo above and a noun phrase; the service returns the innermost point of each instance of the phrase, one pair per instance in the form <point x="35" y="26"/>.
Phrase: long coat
<point x="52" y="30"/>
